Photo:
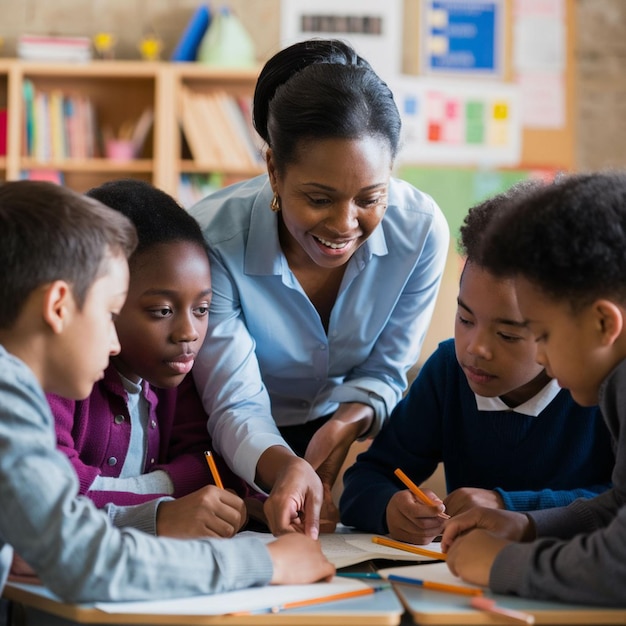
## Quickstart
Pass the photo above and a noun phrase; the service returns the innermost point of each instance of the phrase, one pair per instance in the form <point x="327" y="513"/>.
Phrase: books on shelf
<point x="194" y="187"/>
<point x="218" y="131"/>
<point x="54" y="49"/>
<point x="57" y="125"/>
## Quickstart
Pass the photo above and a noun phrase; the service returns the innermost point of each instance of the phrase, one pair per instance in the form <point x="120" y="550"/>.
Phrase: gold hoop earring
<point x="275" y="203"/>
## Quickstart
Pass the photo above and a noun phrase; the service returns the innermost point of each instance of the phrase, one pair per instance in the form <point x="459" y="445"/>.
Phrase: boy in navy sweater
<point x="564" y="248"/>
<point x="508" y="435"/>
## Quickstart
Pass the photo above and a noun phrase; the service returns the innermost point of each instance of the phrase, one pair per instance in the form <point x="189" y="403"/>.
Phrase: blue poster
<point x="462" y="37"/>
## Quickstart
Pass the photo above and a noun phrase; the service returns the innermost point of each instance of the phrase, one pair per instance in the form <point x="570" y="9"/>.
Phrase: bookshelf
<point x="119" y="93"/>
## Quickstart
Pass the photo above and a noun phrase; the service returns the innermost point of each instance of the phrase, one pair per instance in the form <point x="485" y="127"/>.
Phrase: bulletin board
<point x="550" y="148"/>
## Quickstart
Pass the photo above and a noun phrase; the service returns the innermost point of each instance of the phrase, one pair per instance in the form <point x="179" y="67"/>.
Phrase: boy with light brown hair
<point x="65" y="277"/>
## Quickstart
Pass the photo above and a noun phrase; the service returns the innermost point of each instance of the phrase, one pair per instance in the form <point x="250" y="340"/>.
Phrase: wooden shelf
<point x="120" y="92"/>
<point x="90" y="165"/>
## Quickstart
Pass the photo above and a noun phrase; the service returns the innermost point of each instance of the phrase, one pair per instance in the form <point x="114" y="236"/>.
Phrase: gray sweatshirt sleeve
<point x="580" y="558"/>
<point x="75" y="549"/>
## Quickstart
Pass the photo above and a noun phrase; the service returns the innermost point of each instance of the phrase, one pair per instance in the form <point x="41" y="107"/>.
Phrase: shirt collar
<point x="533" y="407"/>
<point x="264" y="256"/>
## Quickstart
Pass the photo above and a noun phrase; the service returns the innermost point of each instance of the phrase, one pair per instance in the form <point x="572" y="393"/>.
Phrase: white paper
<point x="345" y="547"/>
<point x="543" y="99"/>
<point x="252" y="599"/>
<point x="343" y="550"/>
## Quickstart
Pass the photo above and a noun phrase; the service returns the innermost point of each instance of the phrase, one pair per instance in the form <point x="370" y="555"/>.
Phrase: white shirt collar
<point x="533" y="407"/>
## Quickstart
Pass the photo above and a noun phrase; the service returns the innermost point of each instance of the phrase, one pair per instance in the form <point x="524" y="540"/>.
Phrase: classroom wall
<point x="599" y="49"/>
<point x="598" y="28"/>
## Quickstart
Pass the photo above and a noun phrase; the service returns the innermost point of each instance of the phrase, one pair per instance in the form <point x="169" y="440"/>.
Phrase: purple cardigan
<point x="95" y="434"/>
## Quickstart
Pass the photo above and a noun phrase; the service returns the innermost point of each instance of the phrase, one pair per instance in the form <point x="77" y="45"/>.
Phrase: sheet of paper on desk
<point x="253" y="599"/>
<point x="344" y="549"/>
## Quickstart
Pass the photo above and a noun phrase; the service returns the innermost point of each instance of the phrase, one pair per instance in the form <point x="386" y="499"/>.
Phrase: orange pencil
<point x="390" y="543"/>
<point x="345" y="595"/>
<point x="214" y="471"/>
<point x="415" y="490"/>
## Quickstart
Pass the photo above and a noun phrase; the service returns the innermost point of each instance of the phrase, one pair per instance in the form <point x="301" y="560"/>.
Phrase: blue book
<point x="187" y="47"/>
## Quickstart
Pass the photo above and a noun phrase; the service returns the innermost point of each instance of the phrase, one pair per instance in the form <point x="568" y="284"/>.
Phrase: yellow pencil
<point x="390" y="543"/>
<point x="415" y="490"/>
<point x="214" y="472"/>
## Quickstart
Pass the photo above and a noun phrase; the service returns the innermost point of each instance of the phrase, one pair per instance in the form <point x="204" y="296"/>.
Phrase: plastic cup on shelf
<point x="120" y="150"/>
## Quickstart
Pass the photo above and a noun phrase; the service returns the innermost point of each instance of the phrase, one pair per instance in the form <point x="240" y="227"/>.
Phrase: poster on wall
<point x="539" y="60"/>
<point x="454" y="122"/>
<point x="372" y="27"/>
<point x="462" y="37"/>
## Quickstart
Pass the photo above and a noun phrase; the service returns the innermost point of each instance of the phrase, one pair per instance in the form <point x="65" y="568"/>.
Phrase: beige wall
<point x="600" y="49"/>
<point x="600" y="55"/>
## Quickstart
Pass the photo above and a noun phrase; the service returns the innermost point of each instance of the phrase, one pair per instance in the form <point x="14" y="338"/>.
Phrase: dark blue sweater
<point x="533" y="462"/>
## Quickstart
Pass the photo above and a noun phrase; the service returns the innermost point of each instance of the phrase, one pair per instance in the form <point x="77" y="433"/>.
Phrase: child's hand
<point x="471" y="556"/>
<point x="505" y="524"/>
<point x="207" y="512"/>
<point x="22" y="572"/>
<point x="467" y="498"/>
<point x="298" y="560"/>
<point x="410" y="520"/>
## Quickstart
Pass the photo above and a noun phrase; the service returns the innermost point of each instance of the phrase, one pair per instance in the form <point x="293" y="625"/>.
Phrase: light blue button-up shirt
<point x="267" y="359"/>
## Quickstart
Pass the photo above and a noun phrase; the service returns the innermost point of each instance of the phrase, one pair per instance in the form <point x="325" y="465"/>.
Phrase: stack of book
<point x="219" y="132"/>
<point x="58" y="126"/>
<point x="51" y="48"/>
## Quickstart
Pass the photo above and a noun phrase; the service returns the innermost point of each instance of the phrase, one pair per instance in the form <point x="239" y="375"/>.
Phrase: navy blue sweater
<point x="538" y="462"/>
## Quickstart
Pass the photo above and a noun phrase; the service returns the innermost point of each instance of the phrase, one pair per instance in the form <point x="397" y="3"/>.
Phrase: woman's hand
<point x="296" y="495"/>
<point x="328" y="449"/>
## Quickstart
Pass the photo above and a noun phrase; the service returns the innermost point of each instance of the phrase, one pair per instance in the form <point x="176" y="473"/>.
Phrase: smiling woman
<point x="325" y="273"/>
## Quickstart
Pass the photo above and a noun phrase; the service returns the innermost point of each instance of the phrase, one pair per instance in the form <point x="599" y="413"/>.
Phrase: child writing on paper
<point x="138" y="437"/>
<point x="507" y="435"/>
<point x="563" y="247"/>
<point x="65" y="280"/>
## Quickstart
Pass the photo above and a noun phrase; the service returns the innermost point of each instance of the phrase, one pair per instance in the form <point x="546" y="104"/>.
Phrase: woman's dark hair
<point x="567" y="238"/>
<point x="157" y="217"/>
<point x="321" y="89"/>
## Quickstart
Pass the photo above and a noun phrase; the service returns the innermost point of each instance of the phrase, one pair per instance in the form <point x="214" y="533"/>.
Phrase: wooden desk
<point x="380" y="609"/>
<point x="431" y="607"/>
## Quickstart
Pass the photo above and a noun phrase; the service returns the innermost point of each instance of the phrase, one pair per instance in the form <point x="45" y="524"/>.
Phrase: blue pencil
<point x="359" y="575"/>
<point x="436" y="586"/>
